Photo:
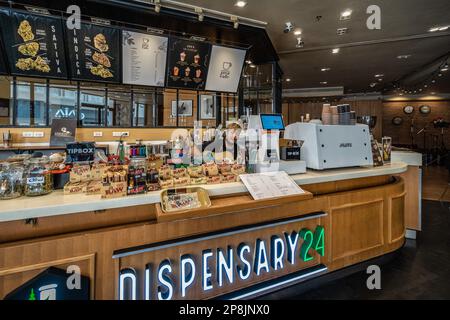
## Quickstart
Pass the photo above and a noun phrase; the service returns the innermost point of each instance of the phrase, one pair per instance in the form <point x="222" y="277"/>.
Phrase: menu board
<point x="144" y="59"/>
<point x="225" y="69"/>
<point x="188" y="64"/>
<point x="34" y="44"/>
<point x="94" y="53"/>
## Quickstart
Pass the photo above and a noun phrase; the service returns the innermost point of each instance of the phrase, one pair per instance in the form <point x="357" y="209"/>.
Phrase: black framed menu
<point x="94" y="53"/>
<point x="34" y="44"/>
<point x="188" y="64"/>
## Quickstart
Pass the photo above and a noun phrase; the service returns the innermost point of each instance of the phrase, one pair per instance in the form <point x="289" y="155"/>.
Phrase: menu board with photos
<point x="144" y="59"/>
<point x="34" y="44"/>
<point x="94" y="53"/>
<point x="188" y="64"/>
<point x="225" y="69"/>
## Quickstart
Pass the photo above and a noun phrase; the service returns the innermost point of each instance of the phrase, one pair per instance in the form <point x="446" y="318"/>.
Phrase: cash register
<point x="271" y="157"/>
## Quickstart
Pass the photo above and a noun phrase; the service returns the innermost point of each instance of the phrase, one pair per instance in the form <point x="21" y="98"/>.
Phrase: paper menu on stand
<point x="270" y="185"/>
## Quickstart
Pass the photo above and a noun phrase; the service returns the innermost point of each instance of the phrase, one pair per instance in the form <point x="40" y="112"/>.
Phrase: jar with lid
<point x="38" y="178"/>
<point x="11" y="180"/>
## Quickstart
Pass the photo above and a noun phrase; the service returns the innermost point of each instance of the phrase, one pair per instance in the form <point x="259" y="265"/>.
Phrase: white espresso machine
<point x="332" y="146"/>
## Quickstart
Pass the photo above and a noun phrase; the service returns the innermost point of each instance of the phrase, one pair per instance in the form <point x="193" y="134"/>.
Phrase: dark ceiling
<point x="364" y="52"/>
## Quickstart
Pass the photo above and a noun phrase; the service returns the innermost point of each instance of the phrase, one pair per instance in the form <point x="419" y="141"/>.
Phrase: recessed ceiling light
<point x="438" y="28"/>
<point x="252" y="66"/>
<point x="325" y="69"/>
<point x="323" y="82"/>
<point x="336" y="50"/>
<point x="345" y="15"/>
<point x="444" y="69"/>
<point x="404" y="56"/>
<point x="241" y="4"/>
<point x="297" y="32"/>
<point x="379" y="75"/>
<point x="434" y="29"/>
<point x="444" y="28"/>
<point x="288" y="80"/>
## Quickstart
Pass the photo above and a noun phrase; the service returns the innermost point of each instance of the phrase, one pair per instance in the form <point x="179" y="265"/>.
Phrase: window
<point x="6" y="101"/>
<point x="119" y="109"/>
<point x="31" y="102"/>
<point x="63" y="102"/>
<point x="143" y="111"/>
<point x="92" y="107"/>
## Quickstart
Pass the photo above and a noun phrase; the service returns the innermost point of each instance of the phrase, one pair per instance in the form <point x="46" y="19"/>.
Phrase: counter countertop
<point x="56" y="203"/>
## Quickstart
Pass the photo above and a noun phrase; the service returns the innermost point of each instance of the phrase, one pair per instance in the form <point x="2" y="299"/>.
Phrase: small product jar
<point x="11" y="180"/>
<point x="38" y="178"/>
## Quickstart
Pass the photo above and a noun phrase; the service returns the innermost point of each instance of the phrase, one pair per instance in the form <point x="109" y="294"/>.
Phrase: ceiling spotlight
<point x="253" y="66"/>
<point x="341" y="31"/>
<point x="288" y="80"/>
<point x="433" y="81"/>
<point x="336" y="50"/>
<point x="157" y="4"/>
<point x="325" y="69"/>
<point x="241" y="4"/>
<point x="434" y="29"/>
<point x="444" y="69"/>
<point x="439" y="28"/>
<point x="379" y="75"/>
<point x="440" y="75"/>
<point x="248" y="62"/>
<point x="425" y="86"/>
<point x="288" y="27"/>
<point x="345" y="15"/>
<point x="404" y="56"/>
<point x="444" y="28"/>
<point x="324" y="82"/>
<point x="235" y="21"/>
<point x="201" y="16"/>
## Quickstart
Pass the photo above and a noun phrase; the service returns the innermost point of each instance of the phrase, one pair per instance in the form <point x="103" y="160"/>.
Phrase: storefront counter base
<point x="128" y="254"/>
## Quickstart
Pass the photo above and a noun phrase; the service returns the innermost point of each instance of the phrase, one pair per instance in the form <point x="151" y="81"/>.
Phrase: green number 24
<point x="312" y="240"/>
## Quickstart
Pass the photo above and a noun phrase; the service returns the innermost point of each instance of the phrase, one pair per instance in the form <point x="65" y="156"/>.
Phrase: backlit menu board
<point x="144" y="59"/>
<point x="34" y="44"/>
<point x="188" y="64"/>
<point x="94" y="53"/>
<point x="225" y="69"/>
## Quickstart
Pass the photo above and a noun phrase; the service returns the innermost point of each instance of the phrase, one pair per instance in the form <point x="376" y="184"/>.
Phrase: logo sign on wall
<point x="188" y="64"/>
<point x="34" y="44"/>
<point x="51" y="284"/>
<point x="144" y="59"/>
<point x="221" y="263"/>
<point x="225" y="69"/>
<point x="94" y="53"/>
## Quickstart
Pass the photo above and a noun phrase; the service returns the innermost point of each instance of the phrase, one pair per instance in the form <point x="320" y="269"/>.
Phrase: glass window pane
<point x="31" y="104"/>
<point x="119" y="109"/>
<point x="143" y="113"/>
<point x="187" y="108"/>
<point x="6" y="101"/>
<point x="63" y="102"/>
<point x="92" y="107"/>
<point x="169" y="110"/>
<point x="208" y="109"/>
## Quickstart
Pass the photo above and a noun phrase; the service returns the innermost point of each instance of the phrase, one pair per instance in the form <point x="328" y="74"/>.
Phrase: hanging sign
<point x="144" y="59"/>
<point x="188" y="64"/>
<point x="34" y="44"/>
<point x="94" y="53"/>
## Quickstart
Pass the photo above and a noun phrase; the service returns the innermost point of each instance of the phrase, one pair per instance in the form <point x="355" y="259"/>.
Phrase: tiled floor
<point x="421" y="270"/>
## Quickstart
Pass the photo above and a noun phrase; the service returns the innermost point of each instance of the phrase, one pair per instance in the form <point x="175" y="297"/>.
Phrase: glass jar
<point x="11" y="180"/>
<point x="38" y="178"/>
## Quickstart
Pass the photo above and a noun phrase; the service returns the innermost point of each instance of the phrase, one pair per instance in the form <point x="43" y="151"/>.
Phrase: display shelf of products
<point x="57" y="203"/>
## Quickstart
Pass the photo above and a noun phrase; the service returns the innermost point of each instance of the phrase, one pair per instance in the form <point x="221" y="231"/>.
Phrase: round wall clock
<point x="397" y="121"/>
<point x="408" y="109"/>
<point x="425" y="109"/>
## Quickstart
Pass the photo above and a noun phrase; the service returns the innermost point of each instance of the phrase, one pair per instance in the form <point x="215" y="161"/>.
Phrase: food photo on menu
<point x="34" y="44"/>
<point x="188" y="63"/>
<point x="95" y="52"/>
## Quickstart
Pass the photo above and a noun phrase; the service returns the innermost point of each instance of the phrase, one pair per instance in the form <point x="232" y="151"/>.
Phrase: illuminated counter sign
<point x="214" y="269"/>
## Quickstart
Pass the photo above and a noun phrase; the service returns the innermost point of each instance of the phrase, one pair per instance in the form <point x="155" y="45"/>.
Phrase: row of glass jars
<point x="30" y="178"/>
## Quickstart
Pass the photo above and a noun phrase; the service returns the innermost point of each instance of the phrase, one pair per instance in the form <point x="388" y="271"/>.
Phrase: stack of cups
<point x="344" y="114"/>
<point x="326" y="115"/>
<point x="334" y="115"/>
<point x="353" y="118"/>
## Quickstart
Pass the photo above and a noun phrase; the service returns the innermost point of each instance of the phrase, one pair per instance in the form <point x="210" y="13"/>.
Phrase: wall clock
<point x="397" y="121"/>
<point x="408" y="109"/>
<point x="425" y="109"/>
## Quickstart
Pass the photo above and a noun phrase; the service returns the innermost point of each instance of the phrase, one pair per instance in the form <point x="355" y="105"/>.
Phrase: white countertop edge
<point x="83" y="203"/>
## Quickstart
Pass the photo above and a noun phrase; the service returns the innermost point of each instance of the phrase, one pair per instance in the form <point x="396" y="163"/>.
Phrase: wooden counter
<point x="359" y="219"/>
